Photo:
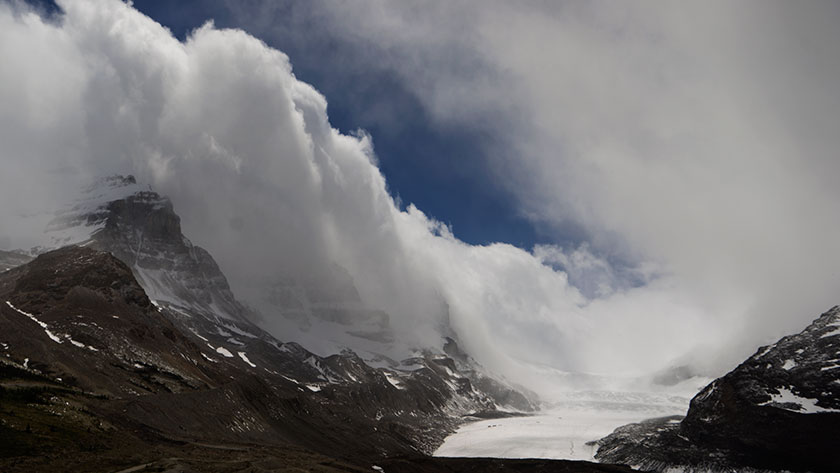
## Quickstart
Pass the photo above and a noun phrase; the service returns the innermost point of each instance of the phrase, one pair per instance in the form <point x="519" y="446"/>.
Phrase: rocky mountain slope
<point x="141" y="228"/>
<point x="137" y="330"/>
<point x="778" y="410"/>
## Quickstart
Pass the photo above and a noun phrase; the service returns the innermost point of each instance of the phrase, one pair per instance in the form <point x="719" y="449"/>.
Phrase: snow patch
<point x="704" y="394"/>
<point x="239" y="331"/>
<point x="311" y="361"/>
<point x="313" y="387"/>
<point x="245" y="359"/>
<point x="804" y="405"/>
<point x="286" y="377"/>
<point x="832" y="333"/>
<point x="199" y="336"/>
<point x="224" y="352"/>
<point x="394" y="380"/>
<point x="80" y="345"/>
<point x="209" y="359"/>
<point x="764" y="351"/>
<point x="52" y="336"/>
<point x="788" y="365"/>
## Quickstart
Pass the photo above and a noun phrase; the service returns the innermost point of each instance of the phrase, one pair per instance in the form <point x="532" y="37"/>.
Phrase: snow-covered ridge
<point x="87" y="214"/>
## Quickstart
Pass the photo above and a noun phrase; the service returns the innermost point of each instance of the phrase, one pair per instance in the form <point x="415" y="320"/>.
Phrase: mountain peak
<point x="89" y="212"/>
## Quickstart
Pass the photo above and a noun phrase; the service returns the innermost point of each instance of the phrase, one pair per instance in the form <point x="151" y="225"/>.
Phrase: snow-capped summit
<point x="141" y="228"/>
<point x="88" y="213"/>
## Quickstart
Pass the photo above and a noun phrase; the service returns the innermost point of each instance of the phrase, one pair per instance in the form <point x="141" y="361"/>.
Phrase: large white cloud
<point x="698" y="138"/>
<point x="246" y="152"/>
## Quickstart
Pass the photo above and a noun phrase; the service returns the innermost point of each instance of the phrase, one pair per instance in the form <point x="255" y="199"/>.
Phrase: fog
<point x="705" y="168"/>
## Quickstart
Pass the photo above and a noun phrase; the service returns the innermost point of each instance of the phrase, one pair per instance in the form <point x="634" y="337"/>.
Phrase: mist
<point x="718" y="201"/>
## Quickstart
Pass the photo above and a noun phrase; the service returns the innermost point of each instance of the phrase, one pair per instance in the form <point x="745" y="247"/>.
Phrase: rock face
<point x="778" y="410"/>
<point x="141" y="228"/>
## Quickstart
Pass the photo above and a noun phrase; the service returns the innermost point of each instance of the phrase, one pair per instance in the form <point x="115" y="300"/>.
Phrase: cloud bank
<point x="698" y="139"/>
<point x="725" y="228"/>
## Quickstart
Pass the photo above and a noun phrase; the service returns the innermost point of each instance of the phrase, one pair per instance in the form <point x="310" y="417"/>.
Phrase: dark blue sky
<point x="441" y="171"/>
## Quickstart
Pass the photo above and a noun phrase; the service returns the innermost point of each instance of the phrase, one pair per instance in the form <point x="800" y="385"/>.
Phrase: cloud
<point x="698" y="140"/>
<point x="626" y="134"/>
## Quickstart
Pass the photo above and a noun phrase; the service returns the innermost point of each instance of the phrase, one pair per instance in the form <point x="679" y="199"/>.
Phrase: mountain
<point x="778" y="410"/>
<point x="141" y="228"/>
<point x="130" y="334"/>
<point x="77" y="325"/>
<point x="95" y="377"/>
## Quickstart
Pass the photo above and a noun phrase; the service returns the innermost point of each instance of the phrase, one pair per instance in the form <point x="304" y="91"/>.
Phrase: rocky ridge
<point x="778" y="410"/>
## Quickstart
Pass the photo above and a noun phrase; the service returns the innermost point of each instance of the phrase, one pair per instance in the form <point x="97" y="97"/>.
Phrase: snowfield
<point x="563" y="428"/>
<point x="789" y="401"/>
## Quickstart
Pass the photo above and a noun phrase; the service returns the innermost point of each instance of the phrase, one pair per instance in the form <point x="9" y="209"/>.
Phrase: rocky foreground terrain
<point x="778" y="410"/>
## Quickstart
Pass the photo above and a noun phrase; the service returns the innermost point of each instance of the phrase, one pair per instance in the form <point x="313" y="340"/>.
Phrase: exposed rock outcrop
<point x="778" y="410"/>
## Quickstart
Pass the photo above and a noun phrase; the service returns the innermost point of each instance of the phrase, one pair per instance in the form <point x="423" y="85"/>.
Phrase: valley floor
<point x="564" y="429"/>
